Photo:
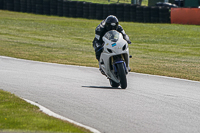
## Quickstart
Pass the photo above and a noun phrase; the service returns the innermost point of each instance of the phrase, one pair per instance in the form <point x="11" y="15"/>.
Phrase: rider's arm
<point x="125" y="36"/>
<point x="97" y="42"/>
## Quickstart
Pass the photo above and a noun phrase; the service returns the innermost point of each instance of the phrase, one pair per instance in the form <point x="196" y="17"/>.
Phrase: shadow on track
<point x="102" y="87"/>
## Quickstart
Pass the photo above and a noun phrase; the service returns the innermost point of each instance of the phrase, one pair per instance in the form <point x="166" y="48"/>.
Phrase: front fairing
<point x="113" y="47"/>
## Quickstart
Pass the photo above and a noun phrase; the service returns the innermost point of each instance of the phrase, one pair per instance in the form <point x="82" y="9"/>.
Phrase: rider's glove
<point x="129" y="42"/>
<point x="127" y="38"/>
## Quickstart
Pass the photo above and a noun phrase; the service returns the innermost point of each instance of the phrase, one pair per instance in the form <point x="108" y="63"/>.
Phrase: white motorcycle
<point x="114" y="60"/>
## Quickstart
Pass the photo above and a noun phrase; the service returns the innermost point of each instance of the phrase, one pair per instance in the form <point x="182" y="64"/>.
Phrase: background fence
<point x="124" y="12"/>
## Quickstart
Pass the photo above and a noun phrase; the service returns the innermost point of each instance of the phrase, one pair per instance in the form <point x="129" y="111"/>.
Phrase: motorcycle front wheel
<point x="122" y="75"/>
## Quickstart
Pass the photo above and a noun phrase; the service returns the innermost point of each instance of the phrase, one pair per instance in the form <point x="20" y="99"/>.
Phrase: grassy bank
<point x="19" y="116"/>
<point x="161" y="49"/>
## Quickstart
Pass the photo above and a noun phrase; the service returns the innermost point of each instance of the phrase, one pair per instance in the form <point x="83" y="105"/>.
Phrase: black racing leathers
<point x="100" y="32"/>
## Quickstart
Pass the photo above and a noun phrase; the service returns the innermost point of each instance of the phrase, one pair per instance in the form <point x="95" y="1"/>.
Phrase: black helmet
<point x="111" y="23"/>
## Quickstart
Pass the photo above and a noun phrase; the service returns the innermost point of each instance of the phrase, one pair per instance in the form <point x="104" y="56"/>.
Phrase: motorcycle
<point x="114" y="60"/>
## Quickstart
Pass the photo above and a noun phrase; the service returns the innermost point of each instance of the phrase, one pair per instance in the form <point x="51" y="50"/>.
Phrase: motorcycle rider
<point x="110" y="23"/>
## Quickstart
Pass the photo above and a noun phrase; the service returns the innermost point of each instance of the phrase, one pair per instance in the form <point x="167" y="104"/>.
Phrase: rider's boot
<point x="102" y="72"/>
<point x="129" y="69"/>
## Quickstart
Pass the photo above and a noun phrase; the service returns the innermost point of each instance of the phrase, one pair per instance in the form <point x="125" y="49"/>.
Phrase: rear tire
<point x="113" y="83"/>
<point x="122" y="75"/>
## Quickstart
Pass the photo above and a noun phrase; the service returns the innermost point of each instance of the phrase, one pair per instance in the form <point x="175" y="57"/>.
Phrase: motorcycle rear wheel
<point x="113" y="83"/>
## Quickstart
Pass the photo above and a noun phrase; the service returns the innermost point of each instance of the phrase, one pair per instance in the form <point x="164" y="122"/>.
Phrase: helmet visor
<point x="111" y="26"/>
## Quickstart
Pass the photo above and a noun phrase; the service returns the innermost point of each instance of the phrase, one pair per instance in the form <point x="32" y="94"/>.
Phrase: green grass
<point x="161" y="49"/>
<point x="20" y="116"/>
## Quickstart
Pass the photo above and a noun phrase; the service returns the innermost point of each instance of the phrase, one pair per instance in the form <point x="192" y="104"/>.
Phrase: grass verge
<point x="160" y="49"/>
<point x="20" y="116"/>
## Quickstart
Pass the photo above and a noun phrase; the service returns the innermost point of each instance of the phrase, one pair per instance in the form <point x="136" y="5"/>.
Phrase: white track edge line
<point x="50" y="113"/>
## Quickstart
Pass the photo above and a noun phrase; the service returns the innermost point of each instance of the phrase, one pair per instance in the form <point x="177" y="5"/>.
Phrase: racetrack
<point x="150" y="104"/>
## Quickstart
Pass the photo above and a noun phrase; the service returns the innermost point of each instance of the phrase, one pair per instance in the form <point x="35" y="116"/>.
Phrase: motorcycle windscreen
<point x="112" y="35"/>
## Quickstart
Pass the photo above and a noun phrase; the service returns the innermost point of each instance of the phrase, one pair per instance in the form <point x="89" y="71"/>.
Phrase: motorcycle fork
<point x="116" y="60"/>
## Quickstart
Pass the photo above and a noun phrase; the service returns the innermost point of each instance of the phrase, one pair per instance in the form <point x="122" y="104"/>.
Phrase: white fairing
<point x="114" y="44"/>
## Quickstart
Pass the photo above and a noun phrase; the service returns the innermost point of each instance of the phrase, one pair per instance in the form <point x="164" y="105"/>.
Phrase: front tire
<point x="122" y="75"/>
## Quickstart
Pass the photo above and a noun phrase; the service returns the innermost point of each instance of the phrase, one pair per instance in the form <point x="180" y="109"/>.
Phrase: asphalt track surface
<point x="150" y="104"/>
